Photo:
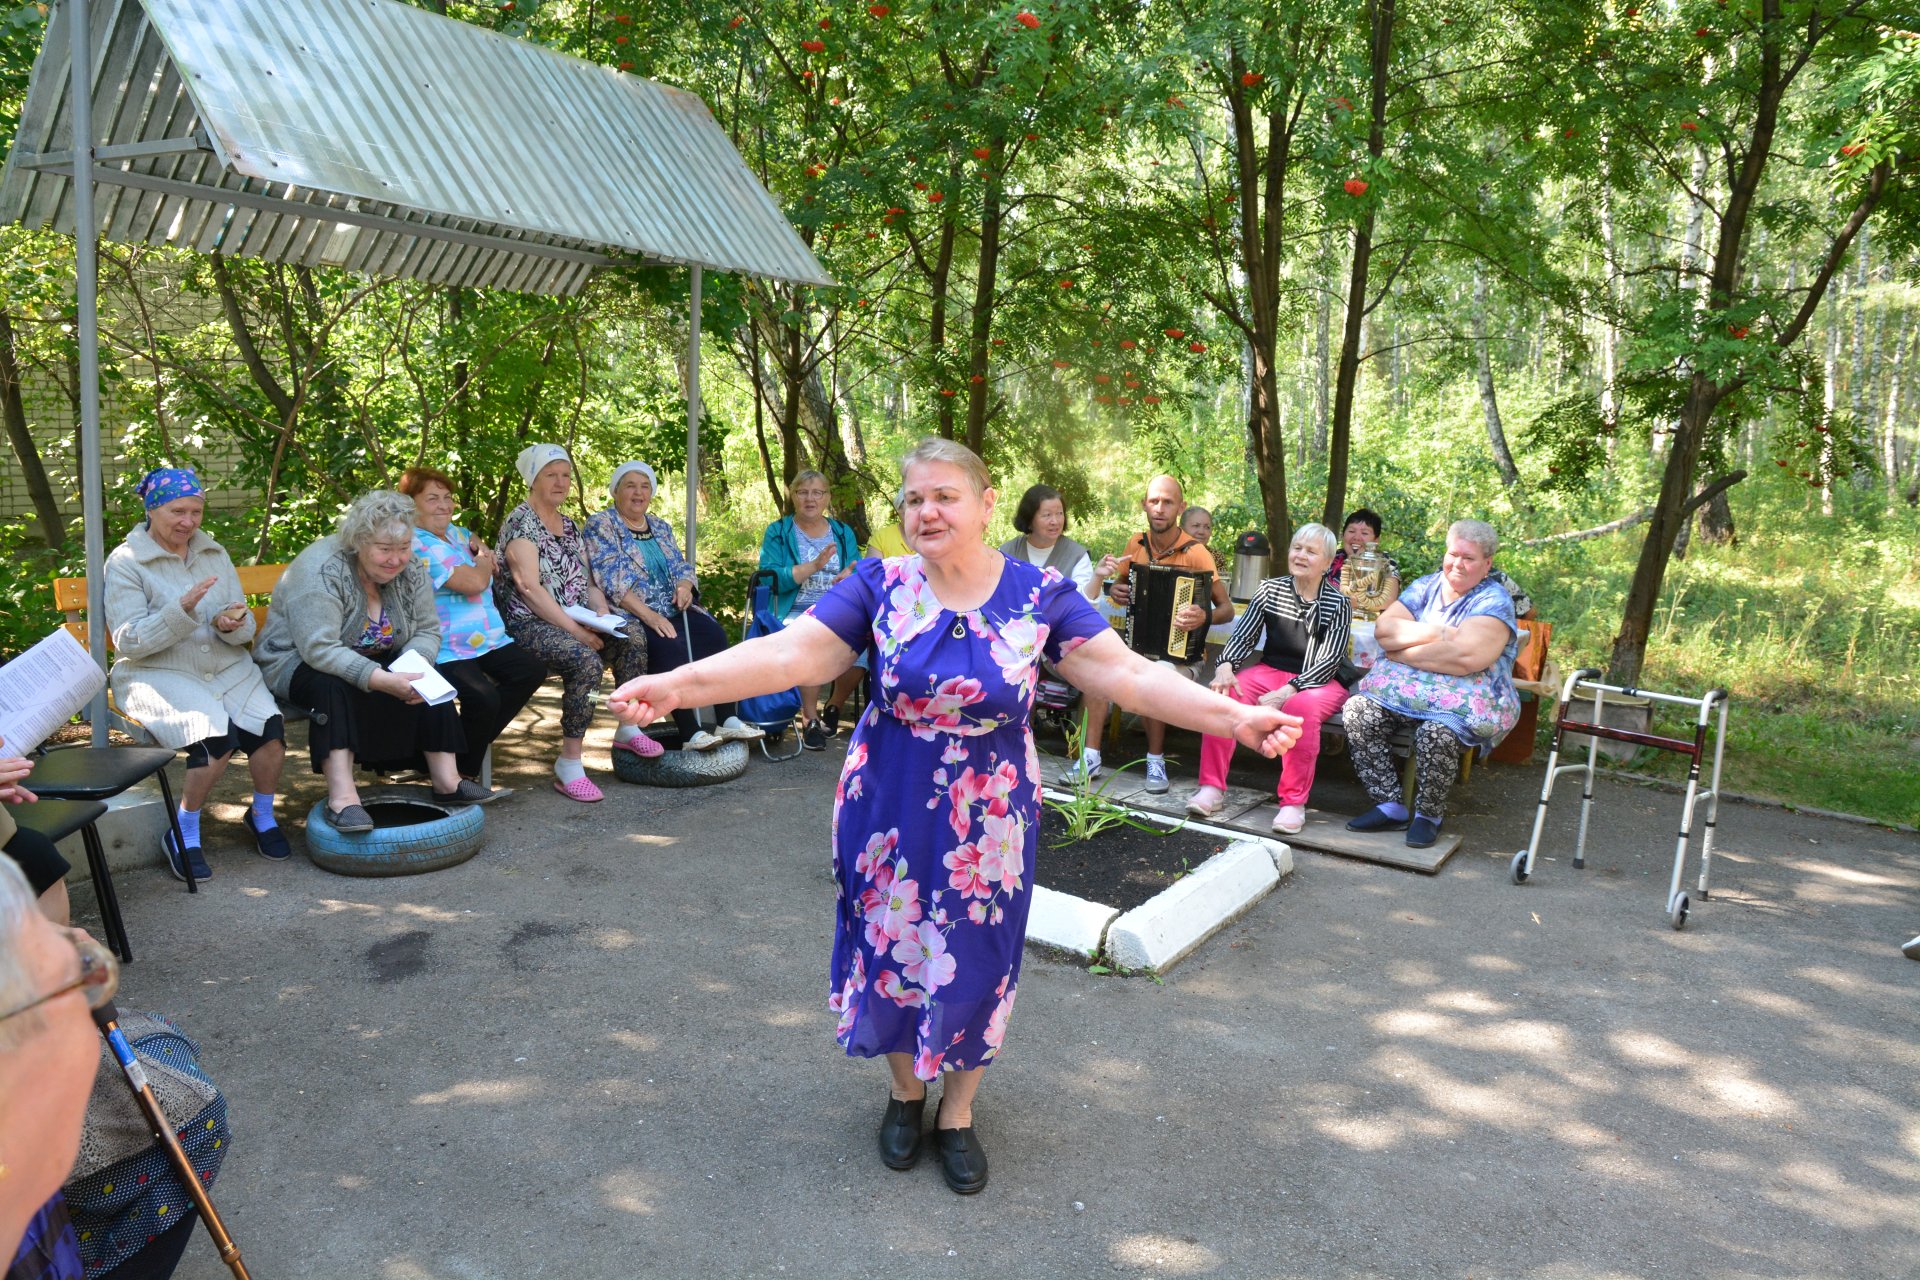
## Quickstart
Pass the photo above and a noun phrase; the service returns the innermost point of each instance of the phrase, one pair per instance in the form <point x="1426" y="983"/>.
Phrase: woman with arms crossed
<point x="932" y="849"/>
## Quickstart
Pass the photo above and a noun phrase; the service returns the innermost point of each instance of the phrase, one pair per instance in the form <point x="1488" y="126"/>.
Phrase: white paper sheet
<point x="432" y="686"/>
<point x="42" y="689"/>
<point x="605" y="622"/>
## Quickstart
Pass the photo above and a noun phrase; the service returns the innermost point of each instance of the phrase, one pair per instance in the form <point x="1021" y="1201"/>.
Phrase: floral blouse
<point x="622" y="563"/>
<point x="563" y="563"/>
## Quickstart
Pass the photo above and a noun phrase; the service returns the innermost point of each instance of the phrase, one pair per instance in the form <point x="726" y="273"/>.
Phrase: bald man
<point x="1163" y="542"/>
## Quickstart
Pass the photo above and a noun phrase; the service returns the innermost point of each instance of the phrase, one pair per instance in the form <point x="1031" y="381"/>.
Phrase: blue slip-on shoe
<point x="272" y="842"/>
<point x="1376" y="819"/>
<point x="178" y="862"/>
<point x="1422" y="832"/>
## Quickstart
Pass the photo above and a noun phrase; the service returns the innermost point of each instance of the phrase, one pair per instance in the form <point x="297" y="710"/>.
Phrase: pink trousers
<point x="1296" y="766"/>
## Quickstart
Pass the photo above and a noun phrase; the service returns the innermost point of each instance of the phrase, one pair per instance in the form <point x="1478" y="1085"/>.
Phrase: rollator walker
<point x="1585" y="682"/>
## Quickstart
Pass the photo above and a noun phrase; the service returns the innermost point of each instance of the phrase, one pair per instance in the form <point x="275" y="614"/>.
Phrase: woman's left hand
<point x="231" y="618"/>
<point x="12" y="770"/>
<point x="644" y="700"/>
<point x="1268" y="730"/>
<point x="1278" y="697"/>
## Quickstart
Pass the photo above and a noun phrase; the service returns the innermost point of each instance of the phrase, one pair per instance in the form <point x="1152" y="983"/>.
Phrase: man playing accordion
<point x="1163" y="543"/>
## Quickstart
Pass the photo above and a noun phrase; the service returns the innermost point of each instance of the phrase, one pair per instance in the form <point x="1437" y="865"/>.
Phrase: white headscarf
<point x="627" y="469"/>
<point x="535" y="458"/>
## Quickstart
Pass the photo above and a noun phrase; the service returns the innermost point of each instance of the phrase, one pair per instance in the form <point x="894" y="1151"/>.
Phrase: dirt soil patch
<point x="1121" y="867"/>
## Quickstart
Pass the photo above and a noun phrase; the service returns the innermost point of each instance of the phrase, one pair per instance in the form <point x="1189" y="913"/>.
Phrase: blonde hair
<point x="951" y="452"/>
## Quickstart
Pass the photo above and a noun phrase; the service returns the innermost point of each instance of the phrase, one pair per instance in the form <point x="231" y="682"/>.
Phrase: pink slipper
<point x="641" y="745"/>
<point x="581" y="789"/>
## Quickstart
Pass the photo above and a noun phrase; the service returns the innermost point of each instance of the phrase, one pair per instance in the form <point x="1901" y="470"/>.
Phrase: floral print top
<point x="563" y="563"/>
<point x="1479" y="708"/>
<point x="469" y="625"/>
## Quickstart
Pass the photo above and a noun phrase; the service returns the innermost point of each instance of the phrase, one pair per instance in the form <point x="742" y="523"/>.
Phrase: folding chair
<point x="58" y="819"/>
<point x="773" y="713"/>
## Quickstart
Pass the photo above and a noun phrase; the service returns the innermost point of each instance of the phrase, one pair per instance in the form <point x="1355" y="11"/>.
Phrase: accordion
<point x="1159" y="591"/>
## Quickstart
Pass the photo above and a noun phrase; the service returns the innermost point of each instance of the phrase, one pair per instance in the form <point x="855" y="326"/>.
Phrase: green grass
<point x="1816" y="636"/>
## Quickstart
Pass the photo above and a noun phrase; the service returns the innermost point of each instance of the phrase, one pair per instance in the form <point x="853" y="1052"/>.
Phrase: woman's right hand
<point x="12" y="770"/>
<point x="195" y="594"/>
<point x="396" y="684"/>
<point x="658" y="623"/>
<point x="644" y="700"/>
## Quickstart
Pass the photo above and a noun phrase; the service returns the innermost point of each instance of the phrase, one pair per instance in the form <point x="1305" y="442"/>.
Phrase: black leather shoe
<point x="963" y="1161"/>
<point x="900" y="1132"/>
<point x="1375" y="819"/>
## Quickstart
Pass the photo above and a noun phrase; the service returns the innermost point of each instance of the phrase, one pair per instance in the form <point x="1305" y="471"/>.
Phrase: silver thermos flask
<point x="1251" y="560"/>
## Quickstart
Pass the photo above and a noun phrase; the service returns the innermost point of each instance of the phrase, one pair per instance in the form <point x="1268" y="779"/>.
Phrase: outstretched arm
<point x="804" y="652"/>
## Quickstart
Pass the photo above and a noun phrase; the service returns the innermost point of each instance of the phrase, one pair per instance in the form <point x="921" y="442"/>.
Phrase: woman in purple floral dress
<point x="937" y="811"/>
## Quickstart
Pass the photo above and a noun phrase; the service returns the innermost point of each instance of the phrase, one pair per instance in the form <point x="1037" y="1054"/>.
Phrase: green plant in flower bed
<point x="1088" y="811"/>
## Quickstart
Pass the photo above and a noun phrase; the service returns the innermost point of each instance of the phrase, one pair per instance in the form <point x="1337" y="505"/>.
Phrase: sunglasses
<point x="99" y="977"/>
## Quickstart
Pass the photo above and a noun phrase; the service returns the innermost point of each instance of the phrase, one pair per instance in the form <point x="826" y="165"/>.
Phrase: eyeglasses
<point x="99" y="977"/>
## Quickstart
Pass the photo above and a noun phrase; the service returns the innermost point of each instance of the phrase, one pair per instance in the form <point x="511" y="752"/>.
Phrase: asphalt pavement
<point x="601" y="1048"/>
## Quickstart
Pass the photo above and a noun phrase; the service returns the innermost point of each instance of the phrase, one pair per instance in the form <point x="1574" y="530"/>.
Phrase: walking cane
<point x="107" y="1019"/>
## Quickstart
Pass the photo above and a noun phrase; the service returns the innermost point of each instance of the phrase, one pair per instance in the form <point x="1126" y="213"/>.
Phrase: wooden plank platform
<point x="1253" y="812"/>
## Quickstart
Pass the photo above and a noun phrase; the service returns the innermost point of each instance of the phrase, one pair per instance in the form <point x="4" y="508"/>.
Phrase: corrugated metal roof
<point x="381" y="138"/>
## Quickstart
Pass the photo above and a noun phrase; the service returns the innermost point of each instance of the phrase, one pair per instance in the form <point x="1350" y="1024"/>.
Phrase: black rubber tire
<point x="446" y="841"/>
<point x="1677" y="912"/>
<point x="1517" y="869"/>
<point x="723" y="763"/>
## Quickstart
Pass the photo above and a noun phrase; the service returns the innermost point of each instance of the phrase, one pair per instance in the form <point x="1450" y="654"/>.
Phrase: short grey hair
<point x="1320" y="536"/>
<point x="1478" y="532"/>
<point x="375" y="517"/>
<point x="951" y="452"/>
<point x="17" y="909"/>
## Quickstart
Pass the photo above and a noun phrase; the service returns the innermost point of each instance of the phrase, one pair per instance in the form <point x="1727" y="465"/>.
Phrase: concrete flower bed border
<point x="1167" y="928"/>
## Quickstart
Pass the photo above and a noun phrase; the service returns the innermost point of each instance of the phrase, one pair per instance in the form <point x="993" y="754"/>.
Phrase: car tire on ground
<point x="449" y="835"/>
<point x="723" y="763"/>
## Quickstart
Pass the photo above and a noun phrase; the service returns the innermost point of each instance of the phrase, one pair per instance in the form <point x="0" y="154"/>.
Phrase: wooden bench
<point x="70" y="597"/>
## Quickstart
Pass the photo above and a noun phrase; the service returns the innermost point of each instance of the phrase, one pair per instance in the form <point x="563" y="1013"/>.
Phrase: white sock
<point x="189" y="826"/>
<point x="569" y="770"/>
<point x="622" y="732"/>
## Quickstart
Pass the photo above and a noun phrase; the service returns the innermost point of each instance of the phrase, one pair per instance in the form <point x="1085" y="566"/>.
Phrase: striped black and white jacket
<point x="1328" y="618"/>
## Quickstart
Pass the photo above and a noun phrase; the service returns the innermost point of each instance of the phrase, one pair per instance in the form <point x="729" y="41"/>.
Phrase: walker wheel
<point x="1677" y="912"/>
<point x="1518" y="867"/>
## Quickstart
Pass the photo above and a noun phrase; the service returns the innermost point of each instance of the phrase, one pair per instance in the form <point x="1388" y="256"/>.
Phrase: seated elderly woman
<point x="348" y="606"/>
<point x="1448" y="645"/>
<point x="808" y="552"/>
<point x="543" y="572"/>
<point x="180" y="626"/>
<point x="494" y="675"/>
<point x="641" y="570"/>
<point x="1283" y="653"/>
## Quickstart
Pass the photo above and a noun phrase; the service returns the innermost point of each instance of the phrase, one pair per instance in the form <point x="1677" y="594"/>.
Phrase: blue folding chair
<point x="771" y="712"/>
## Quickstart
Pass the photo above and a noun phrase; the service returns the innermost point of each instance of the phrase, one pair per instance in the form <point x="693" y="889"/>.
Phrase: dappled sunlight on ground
<point x="1165" y="1255"/>
<point x="487" y="1092"/>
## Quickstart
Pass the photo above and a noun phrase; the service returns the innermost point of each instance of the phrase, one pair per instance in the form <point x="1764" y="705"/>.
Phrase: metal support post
<point x="86" y="302"/>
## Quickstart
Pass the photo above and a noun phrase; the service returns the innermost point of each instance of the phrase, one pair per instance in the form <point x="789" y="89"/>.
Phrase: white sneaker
<point x="1206" y="802"/>
<point x="703" y="740"/>
<point x="1083" y="772"/>
<point x="1157" y="784"/>
<point x="1290" y="819"/>
<point x="737" y="730"/>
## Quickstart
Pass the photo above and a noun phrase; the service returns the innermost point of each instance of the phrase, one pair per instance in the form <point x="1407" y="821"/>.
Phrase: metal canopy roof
<point x="384" y="139"/>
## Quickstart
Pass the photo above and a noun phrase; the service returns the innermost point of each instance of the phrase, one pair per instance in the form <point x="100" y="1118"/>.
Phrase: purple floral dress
<point x="937" y="811"/>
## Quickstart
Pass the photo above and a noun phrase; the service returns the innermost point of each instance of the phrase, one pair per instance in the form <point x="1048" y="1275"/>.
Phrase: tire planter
<point x="413" y="833"/>
<point x="723" y="763"/>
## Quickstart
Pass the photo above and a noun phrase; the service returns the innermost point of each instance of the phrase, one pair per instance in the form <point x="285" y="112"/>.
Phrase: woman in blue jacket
<point x="808" y="552"/>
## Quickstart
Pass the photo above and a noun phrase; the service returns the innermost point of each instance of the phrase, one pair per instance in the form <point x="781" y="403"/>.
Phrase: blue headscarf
<point x="163" y="484"/>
